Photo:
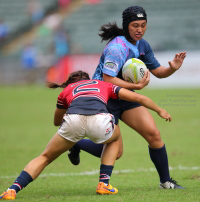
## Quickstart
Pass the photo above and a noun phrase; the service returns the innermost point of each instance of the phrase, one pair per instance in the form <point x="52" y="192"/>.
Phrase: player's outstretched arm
<point x="128" y="95"/>
<point x="174" y="65"/>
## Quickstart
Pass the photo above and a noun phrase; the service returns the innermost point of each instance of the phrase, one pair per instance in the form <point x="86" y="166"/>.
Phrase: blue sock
<point x="22" y="181"/>
<point x="160" y="160"/>
<point x="105" y="173"/>
<point x="89" y="147"/>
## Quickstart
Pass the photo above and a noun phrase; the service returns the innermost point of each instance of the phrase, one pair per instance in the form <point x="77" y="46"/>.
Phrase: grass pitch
<point x="26" y="126"/>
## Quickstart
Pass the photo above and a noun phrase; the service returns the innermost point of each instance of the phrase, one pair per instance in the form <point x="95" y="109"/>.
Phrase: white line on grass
<point x="94" y="172"/>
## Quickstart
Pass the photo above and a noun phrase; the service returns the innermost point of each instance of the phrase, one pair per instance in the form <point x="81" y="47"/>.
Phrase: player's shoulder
<point x="107" y="84"/>
<point x="116" y="47"/>
<point x="118" y="42"/>
<point x="144" y="43"/>
<point x="144" y="46"/>
<point x="102" y="83"/>
<point x="66" y="90"/>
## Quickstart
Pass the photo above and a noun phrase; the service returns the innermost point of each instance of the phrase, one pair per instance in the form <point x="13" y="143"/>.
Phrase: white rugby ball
<point x="133" y="70"/>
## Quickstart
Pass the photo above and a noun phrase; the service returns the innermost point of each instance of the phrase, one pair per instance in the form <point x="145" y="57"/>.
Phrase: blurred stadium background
<point x="47" y="39"/>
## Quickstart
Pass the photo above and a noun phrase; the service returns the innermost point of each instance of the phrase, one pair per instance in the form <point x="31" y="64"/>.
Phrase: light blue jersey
<point x="118" y="51"/>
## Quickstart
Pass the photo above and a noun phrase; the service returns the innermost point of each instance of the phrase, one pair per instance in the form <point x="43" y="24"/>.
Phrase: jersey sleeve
<point x="61" y="102"/>
<point x="149" y="59"/>
<point x="114" y="60"/>
<point x="113" y="91"/>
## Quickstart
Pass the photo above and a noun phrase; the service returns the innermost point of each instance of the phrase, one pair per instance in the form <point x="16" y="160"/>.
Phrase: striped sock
<point x="22" y="181"/>
<point x="105" y="173"/>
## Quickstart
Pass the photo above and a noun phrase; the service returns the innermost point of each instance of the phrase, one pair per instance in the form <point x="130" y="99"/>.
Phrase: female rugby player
<point x="123" y="44"/>
<point x="85" y="101"/>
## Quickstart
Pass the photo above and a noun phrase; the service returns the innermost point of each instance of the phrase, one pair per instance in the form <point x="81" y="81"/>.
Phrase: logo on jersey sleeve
<point x="111" y="66"/>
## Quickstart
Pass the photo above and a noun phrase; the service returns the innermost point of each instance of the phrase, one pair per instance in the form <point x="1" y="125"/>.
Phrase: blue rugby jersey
<point x="118" y="51"/>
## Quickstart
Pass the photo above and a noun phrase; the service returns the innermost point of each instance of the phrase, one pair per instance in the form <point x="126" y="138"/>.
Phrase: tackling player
<point x="123" y="44"/>
<point x="85" y="101"/>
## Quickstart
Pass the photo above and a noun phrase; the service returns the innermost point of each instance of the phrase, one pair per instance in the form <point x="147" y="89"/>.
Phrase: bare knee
<point x="154" y="138"/>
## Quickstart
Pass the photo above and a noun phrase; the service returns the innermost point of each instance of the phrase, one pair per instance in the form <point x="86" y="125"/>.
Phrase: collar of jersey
<point x="133" y="47"/>
<point x="130" y="44"/>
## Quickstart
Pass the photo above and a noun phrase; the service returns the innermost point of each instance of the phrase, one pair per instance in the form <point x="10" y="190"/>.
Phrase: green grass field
<point x="26" y="126"/>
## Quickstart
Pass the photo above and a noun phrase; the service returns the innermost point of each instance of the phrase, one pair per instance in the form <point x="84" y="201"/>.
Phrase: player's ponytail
<point x="110" y="31"/>
<point x="73" y="77"/>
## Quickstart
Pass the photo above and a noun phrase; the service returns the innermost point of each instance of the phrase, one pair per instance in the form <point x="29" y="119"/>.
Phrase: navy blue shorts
<point x="117" y="107"/>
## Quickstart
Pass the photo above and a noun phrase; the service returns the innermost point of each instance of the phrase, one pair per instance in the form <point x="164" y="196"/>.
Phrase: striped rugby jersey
<point x="87" y="97"/>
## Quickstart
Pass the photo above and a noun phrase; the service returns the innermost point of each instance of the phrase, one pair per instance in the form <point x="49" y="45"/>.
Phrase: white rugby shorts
<point x="98" y="127"/>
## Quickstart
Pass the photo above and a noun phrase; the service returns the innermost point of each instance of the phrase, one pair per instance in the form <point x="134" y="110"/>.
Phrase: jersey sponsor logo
<point x="140" y="15"/>
<point x="111" y="66"/>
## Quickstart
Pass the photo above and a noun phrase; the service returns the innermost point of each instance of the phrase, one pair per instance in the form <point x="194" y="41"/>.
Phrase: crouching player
<point x="87" y="116"/>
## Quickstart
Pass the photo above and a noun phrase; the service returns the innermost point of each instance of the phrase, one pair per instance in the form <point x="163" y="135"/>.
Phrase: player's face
<point x="137" y="29"/>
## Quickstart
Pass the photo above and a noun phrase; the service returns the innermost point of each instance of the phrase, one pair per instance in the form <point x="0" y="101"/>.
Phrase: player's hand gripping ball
<point x="133" y="70"/>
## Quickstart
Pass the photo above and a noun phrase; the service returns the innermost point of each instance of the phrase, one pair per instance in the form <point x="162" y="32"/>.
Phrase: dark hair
<point x="111" y="30"/>
<point x="73" y="77"/>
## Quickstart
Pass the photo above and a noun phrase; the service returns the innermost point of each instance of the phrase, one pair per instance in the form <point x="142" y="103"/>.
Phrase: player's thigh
<point x="73" y="127"/>
<point x="101" y="128"/>
<point x="56" y="146"/>
<point x="140" y="120"/>
<point x="115" y="136"/>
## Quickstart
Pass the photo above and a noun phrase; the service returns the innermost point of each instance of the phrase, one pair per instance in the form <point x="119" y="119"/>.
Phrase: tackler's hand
<point x="163" y="113"/>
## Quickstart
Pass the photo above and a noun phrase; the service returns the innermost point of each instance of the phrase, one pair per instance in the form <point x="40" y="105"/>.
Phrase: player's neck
<point x="131" y="40"/>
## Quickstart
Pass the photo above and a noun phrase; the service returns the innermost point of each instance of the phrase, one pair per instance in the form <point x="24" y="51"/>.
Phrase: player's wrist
<point x="159" y="110"/>
<point x="138" y="86"/>
<point x="172" y="69"/>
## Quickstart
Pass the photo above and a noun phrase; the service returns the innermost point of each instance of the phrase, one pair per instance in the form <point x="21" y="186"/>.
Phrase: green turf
<point x="26" y="126"/>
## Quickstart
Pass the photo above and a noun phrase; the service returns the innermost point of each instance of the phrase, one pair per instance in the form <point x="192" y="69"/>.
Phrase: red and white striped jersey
<point x="87" y="97"/>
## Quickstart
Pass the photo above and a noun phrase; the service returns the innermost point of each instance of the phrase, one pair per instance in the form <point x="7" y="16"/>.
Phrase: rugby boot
<point x="74" y="156"/>
<point x="10" y="194"/>
<point x="171" y="184"/>
<point x="105" y="189"/>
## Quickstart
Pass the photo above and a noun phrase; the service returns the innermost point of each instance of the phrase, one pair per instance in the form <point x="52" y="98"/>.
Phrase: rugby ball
<point x="133" y="70"/>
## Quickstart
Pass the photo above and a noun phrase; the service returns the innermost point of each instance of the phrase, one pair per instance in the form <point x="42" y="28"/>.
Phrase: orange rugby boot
<point x="10" y="194"/>
<point x="103" y="189"/>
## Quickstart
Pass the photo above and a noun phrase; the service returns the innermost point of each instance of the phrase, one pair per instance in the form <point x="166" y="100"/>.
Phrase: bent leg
<point x="54" y="149"/>
<point x="111" y="148"/>
<point x="141" y="121"/>
<point x="108" y="159"/>
<point x="94" y="149"/>
<point x="89" y="146"/>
